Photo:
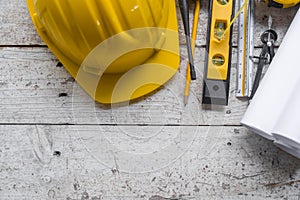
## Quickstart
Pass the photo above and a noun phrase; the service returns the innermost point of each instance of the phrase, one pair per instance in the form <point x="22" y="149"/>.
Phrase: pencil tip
<point x="185" y="100"/>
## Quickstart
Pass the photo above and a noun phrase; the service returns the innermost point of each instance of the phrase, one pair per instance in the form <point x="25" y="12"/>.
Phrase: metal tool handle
<point x="191" y="60"/>
<point x="259" y="70"/>
<point x="184" y="9"/>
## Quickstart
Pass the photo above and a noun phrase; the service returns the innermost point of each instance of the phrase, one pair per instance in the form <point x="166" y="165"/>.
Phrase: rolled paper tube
<point x="293" y="151"/>
<point x="287" y="128"/>
<point x="278" y="86"/>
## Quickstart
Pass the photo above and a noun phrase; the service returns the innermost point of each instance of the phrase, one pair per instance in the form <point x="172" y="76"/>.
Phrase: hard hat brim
<point x="120" y="87"/>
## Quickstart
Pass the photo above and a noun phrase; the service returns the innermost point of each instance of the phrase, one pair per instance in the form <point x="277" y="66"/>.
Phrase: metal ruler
<point x="245" y="49"/>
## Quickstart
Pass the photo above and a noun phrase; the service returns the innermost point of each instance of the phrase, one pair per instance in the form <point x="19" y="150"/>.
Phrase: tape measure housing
<point x="282" y="3"/>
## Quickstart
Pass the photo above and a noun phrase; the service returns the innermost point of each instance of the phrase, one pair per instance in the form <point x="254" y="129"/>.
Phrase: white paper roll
<point x="287" y="128"/>
<point x="277" y="87"/>
<point x="293" y="151"/>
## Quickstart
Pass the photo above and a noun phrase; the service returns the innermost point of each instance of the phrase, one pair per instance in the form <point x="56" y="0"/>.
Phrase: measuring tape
<point x="282" y="3"/>
<point x="218" y="56"/>
<point x="245" y="49"/>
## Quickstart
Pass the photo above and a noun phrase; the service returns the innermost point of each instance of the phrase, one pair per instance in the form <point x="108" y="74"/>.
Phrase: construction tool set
<point x="217" y="67"/>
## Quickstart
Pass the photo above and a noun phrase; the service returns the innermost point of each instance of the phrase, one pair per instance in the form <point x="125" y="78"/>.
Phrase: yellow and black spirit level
<point x="218" y="55"/>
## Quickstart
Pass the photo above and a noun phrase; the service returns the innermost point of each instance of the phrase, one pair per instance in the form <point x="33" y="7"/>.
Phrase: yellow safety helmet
<point x="282" y="3"/>
<point x="117" y="50"/>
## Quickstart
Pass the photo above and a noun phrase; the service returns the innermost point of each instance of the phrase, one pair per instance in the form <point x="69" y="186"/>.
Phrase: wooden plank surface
<point x="76" y="162"/>
<point x="31" y="84"/>
<point x="56" y="143"/>
<point x="17" y="29"/>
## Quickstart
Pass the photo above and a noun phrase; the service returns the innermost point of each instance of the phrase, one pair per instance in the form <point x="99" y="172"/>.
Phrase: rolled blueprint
<point x="279" y="86"/>
<point x="287" y="128"/>
<point x="291" y="150"/>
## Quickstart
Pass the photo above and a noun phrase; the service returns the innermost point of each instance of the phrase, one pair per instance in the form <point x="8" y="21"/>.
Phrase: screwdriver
<point x="184" y="9"/>
<point x="194" y="36"/>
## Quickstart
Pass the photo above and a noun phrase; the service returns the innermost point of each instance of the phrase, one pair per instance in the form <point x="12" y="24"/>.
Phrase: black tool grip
<point x="184" y="9"/>
<point x="193" y="72"/>
<point x="191" y="59"/>
<point x="259" y="71"/>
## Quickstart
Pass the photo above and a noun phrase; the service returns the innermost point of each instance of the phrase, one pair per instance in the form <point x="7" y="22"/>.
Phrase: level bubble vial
<point x="218" y="60"/>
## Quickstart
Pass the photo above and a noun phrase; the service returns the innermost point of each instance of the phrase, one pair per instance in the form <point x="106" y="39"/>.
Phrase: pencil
<point x="194" y="35"/>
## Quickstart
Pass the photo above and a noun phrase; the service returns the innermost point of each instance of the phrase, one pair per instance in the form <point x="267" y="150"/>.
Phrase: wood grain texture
<point x="17" y="29"/>
<point x="34" y="90"/>
<point x="217" y="162"/>
<point x="56" y="143"/>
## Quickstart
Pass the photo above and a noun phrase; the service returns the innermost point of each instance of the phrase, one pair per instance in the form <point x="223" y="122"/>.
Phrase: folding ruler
<point x="218" y="55"/>
<point x="245" y="49"/>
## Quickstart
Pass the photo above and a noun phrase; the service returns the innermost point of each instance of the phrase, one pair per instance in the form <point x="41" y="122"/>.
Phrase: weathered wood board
<point x="31" y="87"/>
<point x="17" y="29"/>
<point x="56" y="143"/>
<point x="70" y="162"/>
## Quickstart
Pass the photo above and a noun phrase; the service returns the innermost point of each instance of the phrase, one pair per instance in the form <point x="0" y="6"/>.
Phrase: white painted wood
<point x="154" y="148"/>
<point x="31" y="85"/>
<point x="17" y="29"/>
<point x="216" y="162"/>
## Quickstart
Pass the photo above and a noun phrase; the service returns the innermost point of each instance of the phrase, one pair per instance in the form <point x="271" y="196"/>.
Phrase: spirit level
<point x="218" y="55"/>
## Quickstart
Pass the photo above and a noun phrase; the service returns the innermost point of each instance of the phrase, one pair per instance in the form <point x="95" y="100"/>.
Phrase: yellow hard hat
<point x="283" y="3"/>
<point x="116" y="50"/>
